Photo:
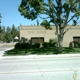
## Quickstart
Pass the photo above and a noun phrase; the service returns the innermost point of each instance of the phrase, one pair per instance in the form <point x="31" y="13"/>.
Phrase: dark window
<point x="76" y="39"/>
<point x="37" y="40"/>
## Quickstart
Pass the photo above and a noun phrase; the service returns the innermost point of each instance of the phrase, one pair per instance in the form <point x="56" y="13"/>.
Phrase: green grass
<point x="41" y="51"/>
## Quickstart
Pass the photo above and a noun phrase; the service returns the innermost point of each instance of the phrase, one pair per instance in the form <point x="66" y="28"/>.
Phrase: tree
<point x="18" y="34"/>
<point x="14" y="32"/>
<point x="0" y="19"/>
<point x="37" y="22"/>
<point x="3" y="34"/>
<point x="8" y="35"/>
<point x="0" y="28"/>
<point x="57" y="12"/>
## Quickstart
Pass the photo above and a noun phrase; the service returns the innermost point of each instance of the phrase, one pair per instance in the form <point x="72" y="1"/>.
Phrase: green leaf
<point x="46" y="24"/>
<point x="74" y="22"/>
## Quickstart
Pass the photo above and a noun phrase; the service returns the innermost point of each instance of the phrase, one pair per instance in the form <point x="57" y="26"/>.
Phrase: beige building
<point x="40" y="34"/>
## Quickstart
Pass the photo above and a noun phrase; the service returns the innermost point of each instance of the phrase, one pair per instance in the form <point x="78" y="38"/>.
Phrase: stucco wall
<point x="39" y="31"/>
<point x="29" y="32"/>
<point x="68" y="37"/>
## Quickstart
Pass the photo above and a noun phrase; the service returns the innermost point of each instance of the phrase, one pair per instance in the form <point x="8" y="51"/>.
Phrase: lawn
<point x="41" y="51"/>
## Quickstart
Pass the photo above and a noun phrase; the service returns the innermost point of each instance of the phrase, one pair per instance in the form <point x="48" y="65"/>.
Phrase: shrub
<point x="76" y="44"/>
<point x="22" y="46"/>
<point x="53" y="42"/>
<point x="45" y="44"/>
<point x="36" y="45"/>
<point x="25" y="45"/>
<point x="17" y="46"/>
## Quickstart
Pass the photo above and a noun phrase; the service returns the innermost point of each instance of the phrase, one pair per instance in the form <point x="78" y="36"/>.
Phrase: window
<point x="76" y="39"/>
<point x="37" y="40"/>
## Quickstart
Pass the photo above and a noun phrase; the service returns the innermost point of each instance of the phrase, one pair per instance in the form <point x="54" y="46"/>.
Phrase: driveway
<point x="3" y="49"/>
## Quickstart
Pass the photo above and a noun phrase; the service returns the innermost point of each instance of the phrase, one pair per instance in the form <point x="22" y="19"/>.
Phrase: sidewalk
<point x="2" y="51"/>
<point x="36" y="56"/>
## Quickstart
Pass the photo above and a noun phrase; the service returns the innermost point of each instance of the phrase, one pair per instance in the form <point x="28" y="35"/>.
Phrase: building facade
<point x="40" y="34"/>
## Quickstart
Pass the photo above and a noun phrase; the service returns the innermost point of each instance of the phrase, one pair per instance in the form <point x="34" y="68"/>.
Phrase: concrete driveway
<point x="3" y="49"/>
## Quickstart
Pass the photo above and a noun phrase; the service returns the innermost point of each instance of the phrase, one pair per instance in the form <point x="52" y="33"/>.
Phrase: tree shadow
<point x="68" y="50"/>
<point x="15" y="52"/>
<point x="41" y="51"/>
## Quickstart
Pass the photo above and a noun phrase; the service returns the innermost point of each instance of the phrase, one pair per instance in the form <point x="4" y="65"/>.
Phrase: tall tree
<point x="18" y="34"/>
<point x="8" y="35"/>
<point x="58" y="12"/>
<point x="0" y="27"/>
<point x="1" y="33"/>
<point x="14" y="32"/>
<point x="37" y="22"/>
<point x="0" y="19"/>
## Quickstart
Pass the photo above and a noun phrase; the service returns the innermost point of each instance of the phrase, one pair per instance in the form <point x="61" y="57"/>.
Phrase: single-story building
<point x="40" y="34"/>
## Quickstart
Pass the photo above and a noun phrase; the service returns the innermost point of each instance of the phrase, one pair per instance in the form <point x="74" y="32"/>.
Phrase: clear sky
<point x="11" y="15"/>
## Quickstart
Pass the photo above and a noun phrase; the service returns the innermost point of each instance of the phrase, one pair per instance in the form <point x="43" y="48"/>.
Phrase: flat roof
<point x="43" y="28"/>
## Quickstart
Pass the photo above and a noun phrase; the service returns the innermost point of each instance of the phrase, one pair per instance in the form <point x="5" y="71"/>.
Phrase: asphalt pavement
<point x="65" y="68"/>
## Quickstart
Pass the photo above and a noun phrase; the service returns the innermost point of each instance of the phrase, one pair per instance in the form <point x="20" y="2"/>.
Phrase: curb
<point x="40" y="56"/>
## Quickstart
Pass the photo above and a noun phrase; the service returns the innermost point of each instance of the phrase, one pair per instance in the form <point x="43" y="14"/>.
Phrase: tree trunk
<point x="60" y="41"/>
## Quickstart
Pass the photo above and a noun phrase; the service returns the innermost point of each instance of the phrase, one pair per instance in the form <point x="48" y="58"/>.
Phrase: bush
<point x="25" y="46"/>
<point x="53" y="42"/>
<point x="17" y="46"/>
<point x="45" y="44"/>
<point x="22" y="46"/>
<point x="36" y="45"/>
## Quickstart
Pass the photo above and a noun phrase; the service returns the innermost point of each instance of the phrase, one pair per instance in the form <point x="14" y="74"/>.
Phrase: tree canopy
<point x="57" y="12"/>
<point x="7" y="34"/>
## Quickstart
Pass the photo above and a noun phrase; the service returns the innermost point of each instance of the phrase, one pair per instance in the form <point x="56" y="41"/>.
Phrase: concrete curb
<point x="40" y="56"/>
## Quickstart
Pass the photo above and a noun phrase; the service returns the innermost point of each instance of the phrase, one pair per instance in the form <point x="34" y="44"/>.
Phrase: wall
<point x="29" y="32"/>
<point x="68" y="37"/>
<point x="39" y="31"/>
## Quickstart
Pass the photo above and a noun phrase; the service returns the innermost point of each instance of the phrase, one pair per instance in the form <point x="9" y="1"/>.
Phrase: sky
<point x="11" y="15"/>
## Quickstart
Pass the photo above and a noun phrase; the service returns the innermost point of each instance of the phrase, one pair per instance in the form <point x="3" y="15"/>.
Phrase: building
<point x="40" y="34"/>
